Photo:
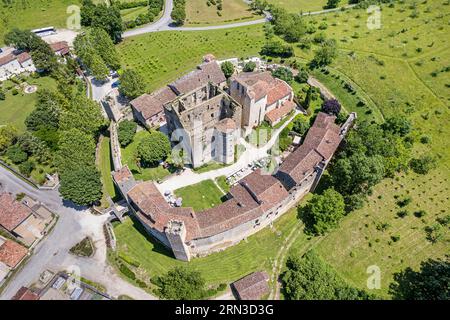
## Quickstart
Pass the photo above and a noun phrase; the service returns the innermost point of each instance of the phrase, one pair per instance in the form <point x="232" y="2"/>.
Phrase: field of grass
<point x="129" y="154"/>
<point x="34" y="14"/>
<point x="132" y="13"/>
<point x="162" y="57"/>
<point x="222" y="182"/>
<point x="213" y="165"/>
<point x="258" y="252"/>
<point x="300" y="5"/>
<point x="15" y="108"/>
<point x="388" y="67"/>
<point x="200" y="196"/>
<point x="199" y="13"/>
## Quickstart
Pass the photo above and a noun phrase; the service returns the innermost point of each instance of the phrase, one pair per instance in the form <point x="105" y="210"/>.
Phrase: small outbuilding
<point x="251" y="287"/>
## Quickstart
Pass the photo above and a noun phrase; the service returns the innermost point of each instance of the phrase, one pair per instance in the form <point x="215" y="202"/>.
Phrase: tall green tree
<point x="181" y="284"/>
<point x="8" y="135"/>
<point x="132" y="84"/>
<point x="153" y="149"/>
<point x="325" y="54"/>
<point x="227" y="69"/>
<point x="47" y="111"/>
<point x="323" y="212"/>
<point x="430" y="282"/>
<point x="81" y="184"/>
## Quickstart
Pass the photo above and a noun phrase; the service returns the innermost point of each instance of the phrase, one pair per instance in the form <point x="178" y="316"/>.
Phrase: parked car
<point x="115" y="84"/>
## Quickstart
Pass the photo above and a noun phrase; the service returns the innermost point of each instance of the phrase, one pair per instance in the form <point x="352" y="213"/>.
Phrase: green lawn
<point x="213" y="165"/>
<point x="105" y="165"/>
<point x="222" y="182"/>
<point x="129" y="154"/>
<point x="199" y="13"/>
<point x="34" y="14"/>
<point x="15" y="108"/>
<point x="256" y="253"/>
<point x="200" y="196"/>
<point x="162" y="57"/>
<point x="132" y="13"/>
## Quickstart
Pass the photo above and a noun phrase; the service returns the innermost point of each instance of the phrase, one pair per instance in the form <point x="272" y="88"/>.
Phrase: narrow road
<point x="166" y="23"/>
<point x="74" y="224"/>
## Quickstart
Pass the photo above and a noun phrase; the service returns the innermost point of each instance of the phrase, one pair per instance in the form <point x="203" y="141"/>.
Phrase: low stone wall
<point x="116" y="153"/>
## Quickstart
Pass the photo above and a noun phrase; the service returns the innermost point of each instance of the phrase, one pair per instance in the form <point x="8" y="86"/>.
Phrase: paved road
<point x="166" y="23"/>
<point x="52" y="252"/>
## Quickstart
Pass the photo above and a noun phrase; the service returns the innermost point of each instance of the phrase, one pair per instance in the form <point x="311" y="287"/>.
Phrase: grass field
<point x="162" y="57"/>
<point x="300" y="5"/>
<point x="258" y="252"/>
<point x="15" y="108"/>
<point x="388" y="67"/>
<point x="129" y="154"/>
<point x="200" y="196"/>
<point x="34" y="14"/>
<point x="199" y="13"/>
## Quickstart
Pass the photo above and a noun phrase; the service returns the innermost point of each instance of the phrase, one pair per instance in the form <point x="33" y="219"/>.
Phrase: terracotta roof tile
<point x="152" y="104"/>
<point x="12" y="212"/>
<point x="61" y="46"/>
<point x="278" y="113"/>
<point x="7" y="59"/>
<point x="11" y="253"/>
<point x="277" y="92"/>
<point x="252" y="287"/>
<point x="122" y="175"/>
<point x="226" y="125"/>
<point x="25" y="294"/>
<point x="206" y="72"/>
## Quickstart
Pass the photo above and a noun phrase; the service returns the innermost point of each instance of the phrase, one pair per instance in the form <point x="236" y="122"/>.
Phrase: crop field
<point x="300" y="5"/>
<point x="162" y="57"/>
<point x="31" y="14"/>
<point x="199" y="13"/>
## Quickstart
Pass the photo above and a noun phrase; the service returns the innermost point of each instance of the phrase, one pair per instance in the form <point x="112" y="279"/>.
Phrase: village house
<point x="262" y="96"/>
<point x="14" y="62"/>
<point x="148" y="109"/>
<point x="27" y="221"/>
<point x="252" y="204"/>
<point x="11" y="255"/>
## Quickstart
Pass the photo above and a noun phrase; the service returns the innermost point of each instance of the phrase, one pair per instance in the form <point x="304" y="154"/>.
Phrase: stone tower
<point x="176" y="234"/>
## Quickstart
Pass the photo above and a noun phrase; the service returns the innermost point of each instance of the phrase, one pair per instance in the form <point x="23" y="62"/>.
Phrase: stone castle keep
<point x="205" y="121"/>
<point x="252" y="204"/>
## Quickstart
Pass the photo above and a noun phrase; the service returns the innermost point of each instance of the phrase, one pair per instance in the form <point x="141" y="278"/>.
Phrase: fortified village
<point x="212" y="118"/>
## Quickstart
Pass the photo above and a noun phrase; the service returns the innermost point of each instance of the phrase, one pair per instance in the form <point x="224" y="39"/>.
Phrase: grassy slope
<point x="198" y="13"/>
<point x="34" y="14"/>
<point x="162" y="57"/>
<point x="129" y="158"/>
<point x="200" y="196"/>
<point x="15" y="109"/>
<point x="406" y="89"/>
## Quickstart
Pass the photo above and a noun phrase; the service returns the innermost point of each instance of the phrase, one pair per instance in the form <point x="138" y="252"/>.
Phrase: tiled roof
<point x="61" y="46"/>
<point x="152" y="104"/>
<point x="25" y="294"/>
<point x="280" y="90"/>
<point x="226" y="125"/>
<point x="253" y="286"/>
<point x="320" y="143"/>
<point x="7" y="59"/>
<point x="122" y="175"/>
<point x="267" y="189"/>
<point x="24" y="56"/>
<point x="11" y="253"/>
<point x="278" y="113"/>
<point x="12" y="212"/>
<point x="206" y="72"/>
<point x="258" y="83"/>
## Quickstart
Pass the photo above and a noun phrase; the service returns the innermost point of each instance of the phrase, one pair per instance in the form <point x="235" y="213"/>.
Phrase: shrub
<point x="16" y="154"/>
<point x="126" y="132"/>
<point x="423" y="164"/>
<point x="331" y="106"/>
<point x="126" y="271"/>
<point x="402" y="213"/>
<point x="249" y="66"/>
<point x="26" y="168"/>
<point x="420" y="213"/>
